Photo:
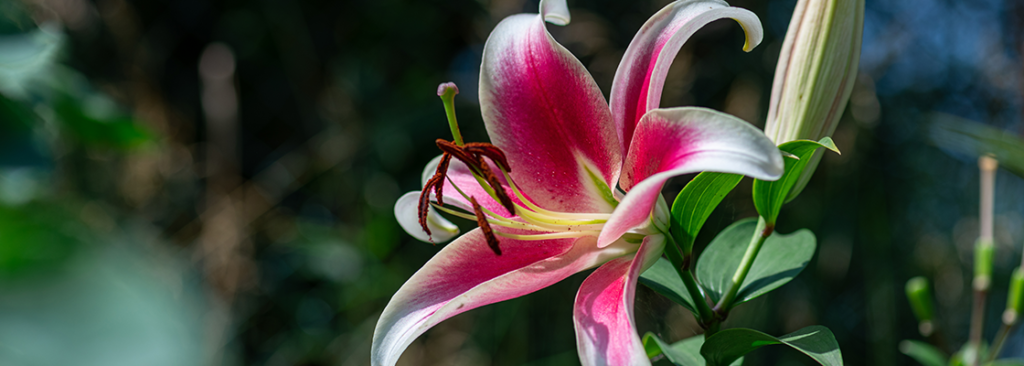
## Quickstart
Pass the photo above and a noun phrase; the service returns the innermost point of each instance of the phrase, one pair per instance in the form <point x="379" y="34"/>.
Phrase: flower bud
<point x="815" y="74"/>
<point x="920" y="297"/>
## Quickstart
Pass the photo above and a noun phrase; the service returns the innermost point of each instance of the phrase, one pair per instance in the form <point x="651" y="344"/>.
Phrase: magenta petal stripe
<point x="603" y="314"/>
<point x="676" y="141"/>
<point x="545" y="111"/>
<point x="466" y="274"/>
<point x="640" y="77"/>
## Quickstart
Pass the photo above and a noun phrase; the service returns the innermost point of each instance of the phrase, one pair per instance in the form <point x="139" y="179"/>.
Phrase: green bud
<point x="1014" y="298"/>
<point x="920" y="297"/>
<point x="983" y="264"/>
<point x="815" y="74"/>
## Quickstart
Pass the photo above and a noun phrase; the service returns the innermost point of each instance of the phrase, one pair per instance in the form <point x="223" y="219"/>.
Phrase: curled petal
<point x="676" y="141"/>
<point x="640" y="77"/>
<point x="543" y="109"/>
<point x="406" y="212"/>
<point x="466" y="274"/>
<point x="603" y="314"/>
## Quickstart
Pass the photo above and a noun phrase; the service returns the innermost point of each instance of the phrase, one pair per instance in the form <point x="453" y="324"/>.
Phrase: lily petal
<point x="406" y="211"/>
<point x="466" y="274"/>
<point x="544" y="110"/>
<point x="671" y="142"/>
<point x="641" y="75"/>
<point x="603" y="315"/>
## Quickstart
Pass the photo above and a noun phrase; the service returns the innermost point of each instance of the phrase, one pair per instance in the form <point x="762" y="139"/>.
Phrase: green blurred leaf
<point x="37" y="238"/>
<point x="923" y="353"/>
<point x="115" y="132"/>
<point x="770" y="195"/>
<point x="782" y="257"/>
<point x="26" y="56"/>
<point x="1007" y="362"/>
<point x="696" y="202"/>
<point x="683" y="353"/>
<point x="664" y="279"/>
<point x="815" y="341"/>
<point x="976" y="139"/>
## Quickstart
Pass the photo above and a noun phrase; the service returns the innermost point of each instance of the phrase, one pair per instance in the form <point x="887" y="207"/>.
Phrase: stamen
<point x="442" y="170"/>
<point x="473" y="157"/>
<point x="490" y="151"/>
<point x="485" y="227"/>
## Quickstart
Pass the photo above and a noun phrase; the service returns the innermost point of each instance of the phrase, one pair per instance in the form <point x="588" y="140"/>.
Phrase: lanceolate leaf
<point x="782" y="257"/>
<point x="815" y="341"/>
<point x="663" y="279"/>
<point x="923" y="353"/>
<point x="694" y="204"/>
<point x="770" y="195"/>
<point x="976" y="139"/>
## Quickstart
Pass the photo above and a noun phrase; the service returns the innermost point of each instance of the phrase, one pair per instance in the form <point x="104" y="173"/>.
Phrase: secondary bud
<point x="815" y="74"/>
<point x="920" y="297"/>
<point x="1014" y="298"/>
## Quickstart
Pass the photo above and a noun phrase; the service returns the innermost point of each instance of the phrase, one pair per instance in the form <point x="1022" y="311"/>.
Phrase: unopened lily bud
<point x="920" y="298"/>
<point x="815" y="74"/>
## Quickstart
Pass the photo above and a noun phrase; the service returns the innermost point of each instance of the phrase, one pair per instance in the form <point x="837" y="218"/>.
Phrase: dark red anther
<point x="472" y="155"/>
<point x="485" y="227"/>
<point x="490" y="151"/>
<point x="437" y="183"/>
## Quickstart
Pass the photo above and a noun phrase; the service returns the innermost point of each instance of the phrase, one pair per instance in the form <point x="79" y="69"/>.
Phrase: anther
<point x="485" y="227"/>
<point x="472" y="155"/>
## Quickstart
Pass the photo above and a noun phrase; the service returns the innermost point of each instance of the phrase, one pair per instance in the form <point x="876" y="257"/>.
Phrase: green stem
<point x="1004" y="331"/>
<point x="681" y="262"/>
<point x="761" y="233"/>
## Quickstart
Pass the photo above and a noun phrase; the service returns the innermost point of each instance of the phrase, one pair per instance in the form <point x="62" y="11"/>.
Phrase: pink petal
<point x="676" y="141"/>
<point x="603" y="315"/>
<point x="640" y="77"/>
<point x="546" y="112"/>
<point x="466" y="274"/>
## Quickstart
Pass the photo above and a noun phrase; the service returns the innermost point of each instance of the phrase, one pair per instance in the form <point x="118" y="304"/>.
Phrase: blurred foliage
<point x="125" y="240"/>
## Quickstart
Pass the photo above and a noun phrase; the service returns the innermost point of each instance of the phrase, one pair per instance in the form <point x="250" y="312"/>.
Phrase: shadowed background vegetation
<point x="191" y="182"/>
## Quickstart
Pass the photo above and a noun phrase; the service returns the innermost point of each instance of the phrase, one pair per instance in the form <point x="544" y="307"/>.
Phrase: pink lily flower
<point x="583" y="178"/>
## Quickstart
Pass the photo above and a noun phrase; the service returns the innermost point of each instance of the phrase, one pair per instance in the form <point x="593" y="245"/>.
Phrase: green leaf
<point x="115" y="132"/>
<point x="814" y="341"/>
<point x="781" y="258"/>
<point x="976" y="139"/>
<point x="770" y="195"/>
<point x="683" y="353"/>
<point x="696" y="202"/>
<point x="923" y="353"/>
<point x="663" y="279"/>
<point x="1007" y="362"/>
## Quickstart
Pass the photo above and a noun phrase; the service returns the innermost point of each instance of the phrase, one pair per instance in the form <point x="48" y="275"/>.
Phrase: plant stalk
<point x="761" y="233"/>
<point x="682" y="263"/>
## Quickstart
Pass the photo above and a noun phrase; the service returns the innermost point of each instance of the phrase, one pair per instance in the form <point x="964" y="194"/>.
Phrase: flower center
<point x="528" y="221"/>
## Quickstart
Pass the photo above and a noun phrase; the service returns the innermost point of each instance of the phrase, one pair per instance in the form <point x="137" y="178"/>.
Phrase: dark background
<point x="139" y="225"/>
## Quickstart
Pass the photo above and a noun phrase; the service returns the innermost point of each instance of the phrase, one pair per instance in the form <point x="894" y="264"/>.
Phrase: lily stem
<point x="761" y="233"/>
<point x="681" y="262"/>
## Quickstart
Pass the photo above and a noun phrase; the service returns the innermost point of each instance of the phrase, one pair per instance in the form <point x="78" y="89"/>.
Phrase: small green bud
<point x="983" y="264"/>
<point x="1014" y="298"/>
<point x="920" y="297"/>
